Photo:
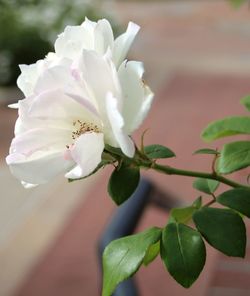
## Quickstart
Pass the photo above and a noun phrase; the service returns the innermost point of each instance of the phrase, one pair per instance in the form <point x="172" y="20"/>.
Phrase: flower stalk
<point x="167" y="170"/>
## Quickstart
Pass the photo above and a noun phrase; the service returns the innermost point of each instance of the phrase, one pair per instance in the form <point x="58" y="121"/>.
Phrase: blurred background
<point x="197" y="60"/>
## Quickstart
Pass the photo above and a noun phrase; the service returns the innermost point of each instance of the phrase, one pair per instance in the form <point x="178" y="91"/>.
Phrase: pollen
<point x="82" y="128"/>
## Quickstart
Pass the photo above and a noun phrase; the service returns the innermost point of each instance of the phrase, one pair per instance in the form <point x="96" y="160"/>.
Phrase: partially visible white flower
<point x="96" y="36"/>
<point x="74" y="109"/>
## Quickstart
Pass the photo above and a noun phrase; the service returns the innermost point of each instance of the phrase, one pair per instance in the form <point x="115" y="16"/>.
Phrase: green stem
<point x="173" y="171"/>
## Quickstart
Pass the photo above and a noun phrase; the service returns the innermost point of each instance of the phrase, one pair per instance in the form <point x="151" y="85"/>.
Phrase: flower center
<point x="82" y="128"/>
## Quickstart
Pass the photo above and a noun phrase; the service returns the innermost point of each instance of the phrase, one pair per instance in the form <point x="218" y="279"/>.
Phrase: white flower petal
<point x="52" y="109"/>
<point x="30" y="73"/>
<point x="43" y="138"/>
<point x="67" y="94"/>
<point x="28" y="77"/>
<point x="55" y="105"/>
<point x="117" y="124"/>
<point x="84" y="102"/>
<point x="103" y="36"/>
<point x="87" y="153"/>
<point x="13" y="106"/>
<point x="53" y="78"/>
<point x="101" y="77"/>
<point x="28" y="185"/>
<point x="123" y="43"/>
<point x="71" y="42"/>
<point x="137" y="96"/>
<point x="88" y="24"/>
<point x="39" y="168"/>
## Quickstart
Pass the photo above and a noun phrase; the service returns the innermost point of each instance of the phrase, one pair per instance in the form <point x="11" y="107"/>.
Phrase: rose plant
<point x="82" y="103"/>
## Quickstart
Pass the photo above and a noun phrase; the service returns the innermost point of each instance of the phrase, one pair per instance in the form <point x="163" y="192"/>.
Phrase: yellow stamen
<point x="82" y="128"/>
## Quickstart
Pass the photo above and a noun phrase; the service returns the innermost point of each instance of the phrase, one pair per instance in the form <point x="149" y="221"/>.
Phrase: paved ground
<point x="197" y="58"/>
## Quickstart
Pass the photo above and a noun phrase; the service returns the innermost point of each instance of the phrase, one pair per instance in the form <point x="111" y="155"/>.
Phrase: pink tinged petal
<point x="55" y="105"/>
<point x="103" y="36"/>
<point x="51" y="109"/>
<point x="67" y="154"/>
<point x="39" y="168"/>
<point x="137" y="96"/>
<point x="117" y="124"/>
<point x="77" y="88"/>
<point x="84" y="102"/>
<point x="25" y="122"/>
<point x="53" y="78"/>
<point x="123" y="43"/>
<point x="87" y="153"/>
<point x="43" y="138"/>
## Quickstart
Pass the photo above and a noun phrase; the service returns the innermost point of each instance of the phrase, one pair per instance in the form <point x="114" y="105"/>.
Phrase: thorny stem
<point x="143" y="161"/>
<point x="174" y="171"/>
<point x="211" y="201"/>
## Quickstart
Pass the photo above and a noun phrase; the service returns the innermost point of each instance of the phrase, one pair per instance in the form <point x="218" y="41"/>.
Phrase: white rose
<point x="97" y="36"/>
<point x="74" y="110"/>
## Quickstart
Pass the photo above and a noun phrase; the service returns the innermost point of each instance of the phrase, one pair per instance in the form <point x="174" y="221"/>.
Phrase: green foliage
<point x="114" y="150"/>
<point x="237" y="3"/>
<point x="234" y="156"/>
<point x="226" y="127"/>
<point x="246" y="102"/>
<point x="206" y="151"/>
<point x="158" y="151"/>
<point x="182" y="215"/>
<point x="183" y="252"/>
<point x="123" y="257"/>
<point x="197" y="203"/>
<point x="152" y="253"/>
<point x="237" y="199"/>
<point x="123" y="182"/>
<point x="182" y="248"/>
<point x="206" y="185"/>
<point x="224" y="229"/>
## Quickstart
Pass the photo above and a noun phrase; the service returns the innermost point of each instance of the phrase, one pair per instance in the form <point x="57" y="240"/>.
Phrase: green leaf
<point x="158" y="151"/>
<point x="237" y="3"/>
<point x="123" y="182"/>
<point x="123" y="257"/>
<point x="223" y="229"/>
<point x="197" y="203"/>
<point x="246" y="102"/>
<point x="152" y="253"/>
<point x="182" y="215"/>
<point x="226" y="127"/>
<point x="206" y="151"/>
<point x="237" y="199"/>
<point x="206" y="185"/>
<point x="234" y="156"/>
<point x="183" y="252"/>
